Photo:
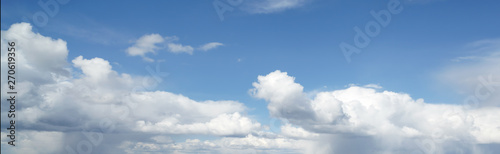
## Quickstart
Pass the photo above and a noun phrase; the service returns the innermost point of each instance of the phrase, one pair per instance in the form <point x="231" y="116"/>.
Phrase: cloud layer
<point x="87" y="103"/>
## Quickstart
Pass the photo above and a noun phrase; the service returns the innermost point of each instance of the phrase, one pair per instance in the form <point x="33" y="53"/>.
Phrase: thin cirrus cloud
<point x="210" y="46"/>
<point x="272" y="6"/>
<point x="151" y="43"/>
<point x="480" y="68"/>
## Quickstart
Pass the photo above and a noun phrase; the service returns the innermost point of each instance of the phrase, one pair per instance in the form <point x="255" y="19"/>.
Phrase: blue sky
<point x="415" y="54"/>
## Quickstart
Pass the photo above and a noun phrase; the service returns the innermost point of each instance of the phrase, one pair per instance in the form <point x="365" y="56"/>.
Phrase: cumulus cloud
<point x="384" y="120"/>
<point x="62" y="99"/>
<point x="272" y="6"/>
<point x="102" y="93"/>
<point x="133" y="118"/>
<point x="151" y="43"/>
<point x="285" y="97"/>
<point x="41" y="58"/>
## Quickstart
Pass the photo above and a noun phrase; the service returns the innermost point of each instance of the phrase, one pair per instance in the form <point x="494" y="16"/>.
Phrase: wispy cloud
<point x="145" y="44"/>
<point x="179" y="48"/>
<point x="151" y="43"/>
<point x="210" y="46"/>
<point x="272" y="6"/>
<point x="478" y="69"/>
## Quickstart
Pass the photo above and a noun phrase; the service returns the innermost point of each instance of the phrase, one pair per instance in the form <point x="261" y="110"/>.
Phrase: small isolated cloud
<point x="374" y="86"/>
<point x="145" y="44"/>
<point x="151" y="43"/>
<point x="210" y="46"/>
<point x="272" y="6"/>
<point x="179" y="48"/>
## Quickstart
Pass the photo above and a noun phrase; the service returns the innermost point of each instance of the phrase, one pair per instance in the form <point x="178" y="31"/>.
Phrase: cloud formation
<point x="151" y="43"/>
<point x="383" y="120"/>
<point x="145" y="44"/>
<point x="249" y="145"/>
<point x="93" y="94"/>
<point x="122" y="110"/>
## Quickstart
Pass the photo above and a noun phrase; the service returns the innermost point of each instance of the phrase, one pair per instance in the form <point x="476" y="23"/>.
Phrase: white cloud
<point x="374" y="86"/>
<point x="248" y="145"/>
<point x="151" y="43"/>
<point x="296" y="132"/>
<point x="97" y="69"/>
<point x="331" y="121"/>
<point x="38" y="57"/>
<point x="99" y="92"/>
<point x="145" y="44"/>
<point x="272" y="6"/>
<point x="179" y="48"/>
<point x="382" y="117"/>
<point x="210" y="46"/>
<point x="285" y="97"/>
<point x="224" y="125"/>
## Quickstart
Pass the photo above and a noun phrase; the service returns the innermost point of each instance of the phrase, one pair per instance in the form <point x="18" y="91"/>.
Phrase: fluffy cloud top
<point x="135" y="120"/>
<point x="56" y="101"/>
<point x="39" y="57"/>
<point x="384" y="117"/>
<point x="285" y="97"/>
